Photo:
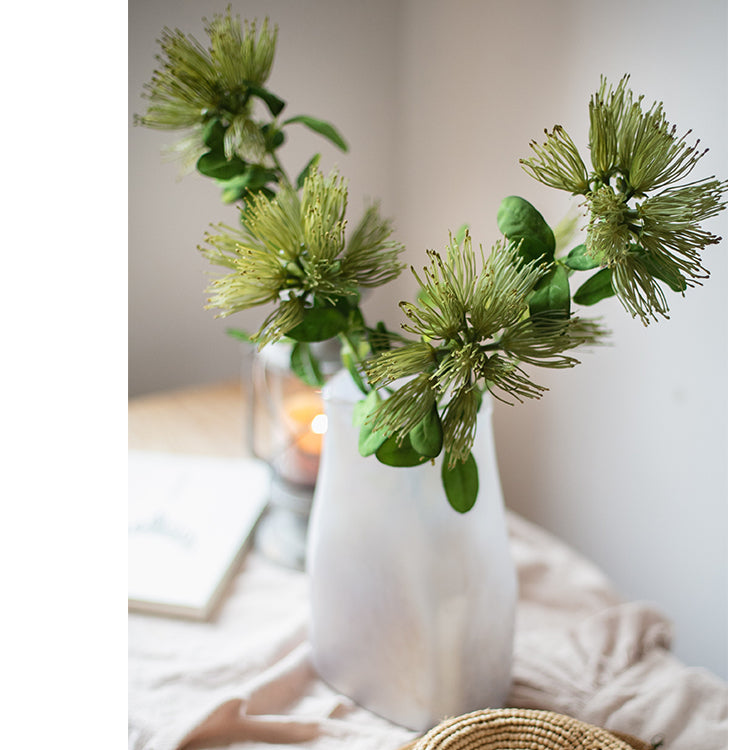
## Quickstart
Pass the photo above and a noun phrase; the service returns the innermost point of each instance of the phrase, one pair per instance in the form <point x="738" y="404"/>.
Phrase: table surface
<point x="206" y="420"/>
<point x="245" y="678"/>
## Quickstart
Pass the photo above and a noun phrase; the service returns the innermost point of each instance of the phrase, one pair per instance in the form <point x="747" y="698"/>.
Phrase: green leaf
<point x="427" y="436"/>
<point x="370" y="440"/>
<point x="235" y="333"/>
<point x="378" y="338"/>
<point x="261" y="191"/>
<point x="356" y="318"/>
<point x="255" y="178"/>
<point x="319" y="324"/>
<point x="461" y="484"/>
<point x="595" y="288"/>
<point x="391" y="453"/>
<point x="258" y="176"/>
<point x="215" y="164"/>
<point x="302" y="176"/>
<point x="275" y="105"/>
<point x="321" y="127"/>
<point x="350" y="359"/>
<point x="213" y="135"/>
<point x="272" y="137"/>
<point x="517" y="219"/>
<point x="350" y="363"/>
<point x="365" y="407"/>
<point x="305" y="365"/>
<point x="234" y="189"/>
<point x="579" y="259"/>
<point x="552" y="294"/>
<point x="463" y="230"/>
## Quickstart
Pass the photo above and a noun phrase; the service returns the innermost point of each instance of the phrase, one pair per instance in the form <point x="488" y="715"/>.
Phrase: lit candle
<point x="306" y="423"/>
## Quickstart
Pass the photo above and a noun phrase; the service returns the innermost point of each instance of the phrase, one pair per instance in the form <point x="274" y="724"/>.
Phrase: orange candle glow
<point x="306" y="423"/>
<point x="303" y="413"/>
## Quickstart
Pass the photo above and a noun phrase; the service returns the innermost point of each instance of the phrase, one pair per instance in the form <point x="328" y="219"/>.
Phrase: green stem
<point x="354" y="371"/>
<point x="282" y="171"/>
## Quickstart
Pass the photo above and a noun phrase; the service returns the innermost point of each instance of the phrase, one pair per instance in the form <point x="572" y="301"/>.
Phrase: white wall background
<point x="625" y="457"/>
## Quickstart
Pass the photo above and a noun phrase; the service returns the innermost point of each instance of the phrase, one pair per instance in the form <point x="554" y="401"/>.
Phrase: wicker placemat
<point x="522" y="729"/>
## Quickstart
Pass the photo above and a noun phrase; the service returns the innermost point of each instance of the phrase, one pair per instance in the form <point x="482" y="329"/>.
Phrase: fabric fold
<point x="246" y="680"/>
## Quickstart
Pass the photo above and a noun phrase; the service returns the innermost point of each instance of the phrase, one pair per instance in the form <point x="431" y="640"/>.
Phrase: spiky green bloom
<point x="292" y="250"/>
<point x="671" y="226"/>
<point x="474" y="333"/>
<point x="611" y="228"/>
<point x="463" y="317"/>
<point x="641" y="146"/>
<point x="543" y="340"/>
<point x="558" y="163"/>
<point x="644" y="236"/>
<point x="637" y="288"/>
<point x="455" y="301"/>
<point x="503" y="376"/>
<point x="460" y="368"/>
<point x="407" y="360"/>
<point x="194" y="85"/>
<point x="460" y="426"/>
<point x="406" y="408"/>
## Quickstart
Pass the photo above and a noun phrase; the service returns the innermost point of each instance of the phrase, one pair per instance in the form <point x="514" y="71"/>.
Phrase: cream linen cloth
<point x="245" y="680"/>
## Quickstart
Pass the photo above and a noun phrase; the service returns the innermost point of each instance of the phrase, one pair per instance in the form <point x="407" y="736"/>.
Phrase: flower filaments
<point x="642" y="226"/>
<point x="412" y="358"/>
<point x="454" y="300"/>
<point x="637" y="287"/>
<point x="195" y="84"/>
<point x="460" y="426"/>
<point x="505" y="378"/>
<point x="671" y="231"/>
<point x="543" y="340"/>
<point x="474" y="332"/>
<point x="639" y="146"/>
<point x="291" y="250"/>
<point x="406" y="408"/>
<point x="558" y="163"/>
<point x="610" y="232"/>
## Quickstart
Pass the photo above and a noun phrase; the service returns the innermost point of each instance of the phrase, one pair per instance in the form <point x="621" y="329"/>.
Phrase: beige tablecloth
<point x="245" y="680"/>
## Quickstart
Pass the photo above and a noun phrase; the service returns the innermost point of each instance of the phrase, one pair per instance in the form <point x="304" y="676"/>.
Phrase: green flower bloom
<point x="292" y="250"/>
<point x="660" y="240"/>
<point x="637" y="288"/>
<point x="634" y="154"/>
<point x="460" y="426"/>
<point x="638" y="145"/>
<point x="455" y="301"/>
<point x="403" y="362"/>
<point x="406" y="408"/>
<point x="671" y="231"/>
<point x="474" y="333"/>
<point x="503" y="376"/>
<point x="459" y="368"/>
<point x="194" y="85"/>
<point x="543" y="339"/>
<point x="558" y="163"/>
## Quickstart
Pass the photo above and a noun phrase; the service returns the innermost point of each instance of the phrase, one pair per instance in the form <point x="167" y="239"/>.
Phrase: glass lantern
<point x="285" y="428"/>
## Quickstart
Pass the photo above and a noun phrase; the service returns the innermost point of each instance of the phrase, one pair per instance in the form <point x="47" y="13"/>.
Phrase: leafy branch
<point x="478" y="322"/>
<point x="217" y="97"/>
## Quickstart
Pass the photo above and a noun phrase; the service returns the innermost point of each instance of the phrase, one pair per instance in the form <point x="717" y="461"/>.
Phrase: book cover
<point x="190" y="519"/>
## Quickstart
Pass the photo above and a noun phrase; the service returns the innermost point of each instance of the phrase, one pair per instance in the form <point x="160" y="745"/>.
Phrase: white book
<point x="190" y="520"/>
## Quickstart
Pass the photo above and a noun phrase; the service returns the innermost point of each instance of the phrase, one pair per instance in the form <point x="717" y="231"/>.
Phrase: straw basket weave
<point x="522" y="729"/>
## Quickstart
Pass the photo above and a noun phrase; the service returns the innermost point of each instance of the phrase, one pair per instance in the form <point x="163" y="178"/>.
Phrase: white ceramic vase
<point x="412" y="604"/>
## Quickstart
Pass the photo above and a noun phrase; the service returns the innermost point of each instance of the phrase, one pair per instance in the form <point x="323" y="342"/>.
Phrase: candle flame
<point x="319" y="425"/>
